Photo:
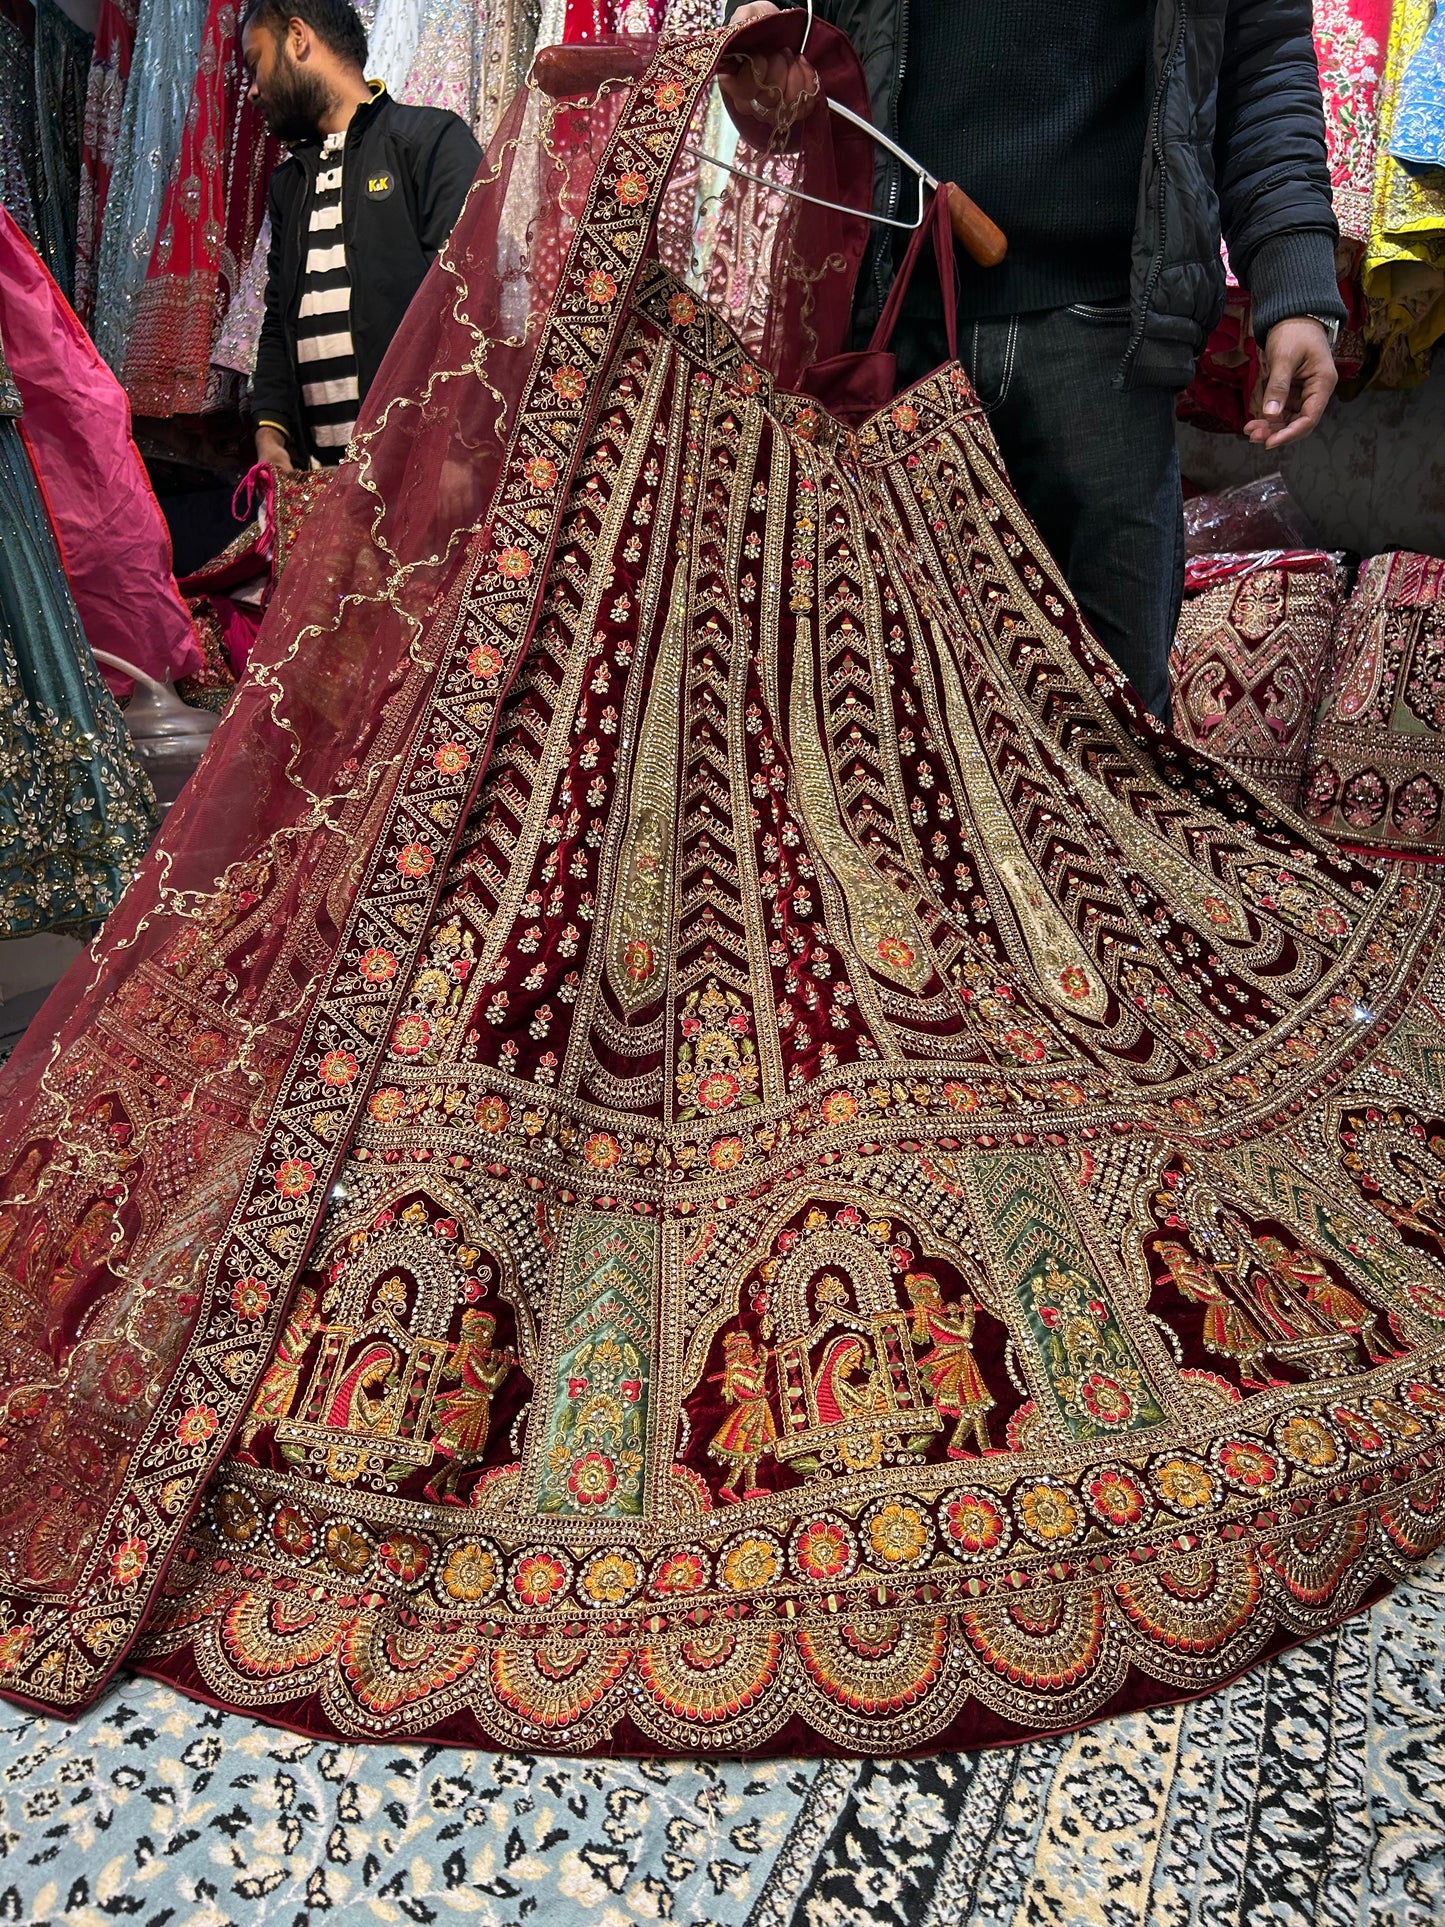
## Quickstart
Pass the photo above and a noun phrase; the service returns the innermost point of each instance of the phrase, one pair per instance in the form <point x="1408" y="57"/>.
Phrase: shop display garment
<point x="62" y="68"/>
<point x="104" y="97"/>
<point x="724" y="1148"/>
<point x="1249" y="659"/>
<point x="76" y="810"/>
<point x="1405" y="257"/>
<point x="19" y="143"/>
<point x="212" y="213"/>
<point x="163" y="68"/>
<point x="98" y="497"/>
<point x="1376" y="768"/>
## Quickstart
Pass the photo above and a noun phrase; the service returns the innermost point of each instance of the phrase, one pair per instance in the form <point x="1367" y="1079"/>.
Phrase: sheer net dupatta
<point x="173" y="1124"/>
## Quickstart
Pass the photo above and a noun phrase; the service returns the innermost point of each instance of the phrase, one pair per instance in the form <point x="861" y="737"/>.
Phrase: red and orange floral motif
<point x="823" y="1551"/>
<point x="387" y="1105"/>
<point x="485" y="662"/>
<point x="539" y="1578"/>
<point x="726" y="1154"/>
<point x="377" y="965"/>
<point x="601" y="1151"/>
<point x="415" y="859"/>
<point x="337" y="1069"/>
<point x="492" y="1113"/>
<point x="197" y="1424"/>
<point x="975" y="1523"/>
<point x="405" y="1555"/>
<point x="250" y="1298"/>
<point x="679" y="1572"/>
<point x="1247" y="1465"/>
<point x="1116" y="1498"/>
<point x="411" y="1036"/>
<point x="592" y="1479"/>
<point x="129" y="1560"/>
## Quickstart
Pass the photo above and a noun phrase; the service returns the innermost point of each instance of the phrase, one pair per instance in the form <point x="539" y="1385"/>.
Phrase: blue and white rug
<point x="1311" y="1794"/>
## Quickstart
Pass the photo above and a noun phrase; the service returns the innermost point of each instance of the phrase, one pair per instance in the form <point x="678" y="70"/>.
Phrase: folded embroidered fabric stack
<point x="1250" y="656"/>
<point x="1375" y="772"/>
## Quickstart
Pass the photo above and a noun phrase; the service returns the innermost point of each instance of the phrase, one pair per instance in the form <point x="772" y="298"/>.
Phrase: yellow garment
<point x="1405" y="258"/>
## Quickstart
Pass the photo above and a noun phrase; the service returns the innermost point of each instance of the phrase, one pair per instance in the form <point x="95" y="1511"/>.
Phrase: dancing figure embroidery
<point x="950" y="1369"/>
<point x="746" y="1435"/>
<point x="464" y="1417"/>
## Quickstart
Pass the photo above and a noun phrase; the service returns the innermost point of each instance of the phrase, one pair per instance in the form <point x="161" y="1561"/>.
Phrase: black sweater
<point x="1040" y="112"/>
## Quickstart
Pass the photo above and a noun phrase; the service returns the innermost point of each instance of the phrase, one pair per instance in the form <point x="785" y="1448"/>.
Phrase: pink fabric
<point x="1205" y="571"/>
<point x="237" y="625"/>
<point x="108" y="525"/>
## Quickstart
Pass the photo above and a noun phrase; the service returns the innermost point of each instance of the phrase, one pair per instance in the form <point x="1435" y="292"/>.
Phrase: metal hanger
<point x="981" y="237"/>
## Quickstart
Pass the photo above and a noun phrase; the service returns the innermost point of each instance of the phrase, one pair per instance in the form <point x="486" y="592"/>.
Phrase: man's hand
<point x="778" y="89"/>
<point x="1296" y="381"/>
<point x="272" y="447"/>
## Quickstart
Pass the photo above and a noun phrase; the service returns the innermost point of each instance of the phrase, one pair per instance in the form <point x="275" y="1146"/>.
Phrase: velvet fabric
<point x="725" y="1148"/>
<point x="1249" y="660"/>
<point x="1376" y="769"/>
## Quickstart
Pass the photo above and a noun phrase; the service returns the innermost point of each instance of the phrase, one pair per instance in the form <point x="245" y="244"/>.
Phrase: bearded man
<point x="359" y="211"/>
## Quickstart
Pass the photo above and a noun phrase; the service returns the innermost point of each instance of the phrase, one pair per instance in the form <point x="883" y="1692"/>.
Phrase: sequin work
<point x="893" y="1205"/>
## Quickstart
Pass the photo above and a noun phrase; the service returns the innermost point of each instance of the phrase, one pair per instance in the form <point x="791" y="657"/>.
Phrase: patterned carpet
<point x="1311" y="1792"/>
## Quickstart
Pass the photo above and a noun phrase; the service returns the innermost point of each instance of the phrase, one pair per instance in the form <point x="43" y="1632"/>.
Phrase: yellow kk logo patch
<point x="379" y="186"/>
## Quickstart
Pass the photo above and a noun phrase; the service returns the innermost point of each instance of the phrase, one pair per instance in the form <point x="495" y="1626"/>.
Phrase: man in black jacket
<point x="1111" y="140"/>
<point x="358" y="213"/>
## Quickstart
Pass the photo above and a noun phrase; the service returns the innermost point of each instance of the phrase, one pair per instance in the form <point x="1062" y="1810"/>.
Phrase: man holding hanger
<point x="1111" y="140"/>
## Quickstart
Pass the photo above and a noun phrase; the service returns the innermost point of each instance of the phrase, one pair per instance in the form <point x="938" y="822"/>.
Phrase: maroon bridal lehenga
<point x="698" y="1137"/>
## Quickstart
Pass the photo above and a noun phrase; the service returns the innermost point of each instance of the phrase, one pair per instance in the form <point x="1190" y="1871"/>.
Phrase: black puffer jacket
<point x="1236" y="143"/>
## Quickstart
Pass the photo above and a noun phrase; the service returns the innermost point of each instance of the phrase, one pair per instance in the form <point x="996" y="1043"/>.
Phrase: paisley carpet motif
<point x="1310" y="1792"/>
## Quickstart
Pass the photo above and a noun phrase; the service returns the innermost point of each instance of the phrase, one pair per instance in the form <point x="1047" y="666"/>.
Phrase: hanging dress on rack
<point x="1405" y="255"/>
<point x="19" y="141"/>
<point x="211" y="216"/>
<point x="62" y="67"/>
<point x="724" y="1147"/>
<point x="163" y="68"/>
<point x="98" y="497"/>
<point x="76" y="809"/>
<point x="104" y="98"/>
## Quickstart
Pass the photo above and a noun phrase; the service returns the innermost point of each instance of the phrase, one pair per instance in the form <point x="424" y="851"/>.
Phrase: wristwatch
<point x="1330" y="323"/>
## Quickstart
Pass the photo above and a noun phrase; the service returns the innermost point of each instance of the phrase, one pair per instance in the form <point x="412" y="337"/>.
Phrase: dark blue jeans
<point x="1096" y="467"/>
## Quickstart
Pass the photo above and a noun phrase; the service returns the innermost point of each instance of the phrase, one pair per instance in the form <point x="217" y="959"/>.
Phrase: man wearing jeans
<point x="1111" y="140"/>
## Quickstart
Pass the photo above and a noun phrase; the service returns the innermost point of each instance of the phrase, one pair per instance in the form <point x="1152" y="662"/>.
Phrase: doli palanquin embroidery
<point x="863" y="1197"/>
